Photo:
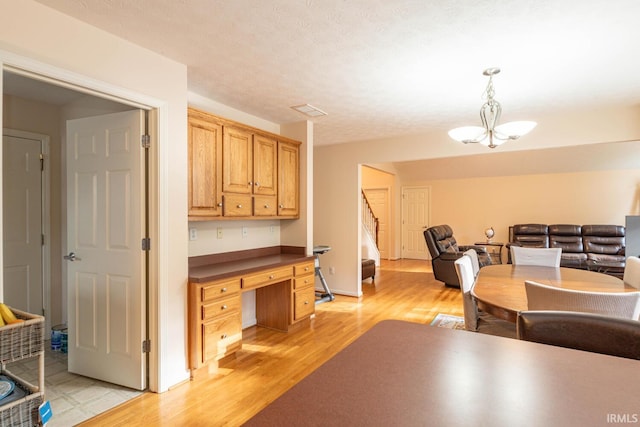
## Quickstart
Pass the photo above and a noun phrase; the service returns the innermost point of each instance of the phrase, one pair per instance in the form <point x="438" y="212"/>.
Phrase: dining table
<point x="499" y="289"/>
<point x="400" y="373"/>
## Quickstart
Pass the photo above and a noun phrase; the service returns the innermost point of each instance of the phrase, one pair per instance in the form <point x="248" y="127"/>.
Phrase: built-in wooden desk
<point x="283" y="279"/>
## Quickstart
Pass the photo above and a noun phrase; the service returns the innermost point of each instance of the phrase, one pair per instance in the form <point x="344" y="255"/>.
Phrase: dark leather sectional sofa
<point x="594" y="247"/>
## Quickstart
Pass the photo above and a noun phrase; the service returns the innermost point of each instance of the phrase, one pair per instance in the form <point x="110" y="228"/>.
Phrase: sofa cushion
<point x="531" y="235"/>
<point x="603" y="239"/>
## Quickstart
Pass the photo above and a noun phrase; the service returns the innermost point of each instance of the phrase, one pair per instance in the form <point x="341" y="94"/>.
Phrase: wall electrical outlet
<point x="193" y="234"/>
<point x="219" y="232"/>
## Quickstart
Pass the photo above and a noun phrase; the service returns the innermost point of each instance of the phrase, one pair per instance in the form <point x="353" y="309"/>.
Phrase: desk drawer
<point x="265" y="206"/>
<point x="220" y="289"/>
<point x="237" y="205"/>
<point x="304" y="302"/>
<point x="221" y="307"/>
<point x="267" y="277"/>
<point x="303" y="282"/>
<point x="304" y="268"/>
<point x="221" y="337"/>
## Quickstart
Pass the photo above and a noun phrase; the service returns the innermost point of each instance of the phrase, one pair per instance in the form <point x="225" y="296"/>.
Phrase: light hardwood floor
<point x="272" y="362"/>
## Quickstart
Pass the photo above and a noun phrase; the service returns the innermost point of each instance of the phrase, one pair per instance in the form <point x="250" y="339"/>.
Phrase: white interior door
<point x="23" y="286"/>
<point x="379" y="201"/>
<point x="105" y="268"/>
<point x="415" y="219"/>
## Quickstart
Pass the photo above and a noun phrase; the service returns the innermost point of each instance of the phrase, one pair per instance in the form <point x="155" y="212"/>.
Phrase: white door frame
<point x="46" y="223"/>
<point x="158" y="167"/>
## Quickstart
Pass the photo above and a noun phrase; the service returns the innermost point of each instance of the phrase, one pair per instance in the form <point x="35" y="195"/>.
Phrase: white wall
<point x="338" y="221"/>
<point x="38" y="39"/>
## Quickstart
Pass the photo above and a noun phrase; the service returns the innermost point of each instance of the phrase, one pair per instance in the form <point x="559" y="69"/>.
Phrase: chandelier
<point x="489" y="133"/>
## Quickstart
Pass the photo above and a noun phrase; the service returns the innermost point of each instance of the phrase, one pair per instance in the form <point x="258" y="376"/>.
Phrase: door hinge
<point x="146" y="141"/>
<point x="146" y="244"/>
<point x="146" y="346"/>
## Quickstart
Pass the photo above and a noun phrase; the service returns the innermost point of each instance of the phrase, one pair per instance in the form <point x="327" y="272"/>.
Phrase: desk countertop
<point x="220" y="266"/>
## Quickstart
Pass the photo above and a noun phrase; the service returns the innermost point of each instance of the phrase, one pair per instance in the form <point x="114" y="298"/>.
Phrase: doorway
<point x="379" y="201"/>
<point x="415" y="219"/>
<point x="26" y="221"/>
<point x="25" y="99"/>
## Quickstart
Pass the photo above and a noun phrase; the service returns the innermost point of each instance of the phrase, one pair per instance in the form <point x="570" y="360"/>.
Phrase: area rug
<point x="448" y="321"/>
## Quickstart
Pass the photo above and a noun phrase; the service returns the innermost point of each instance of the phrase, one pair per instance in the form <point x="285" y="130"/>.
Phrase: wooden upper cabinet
<point x="288" y="179"/>
<point x="236" y="171"/>
<point x="237" y="161"/>
<point x="205" y="167"/>
<point x="265" y="158"/>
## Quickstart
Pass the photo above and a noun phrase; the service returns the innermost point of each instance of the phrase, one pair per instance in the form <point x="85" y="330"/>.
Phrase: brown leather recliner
<point x="445" y="250"/>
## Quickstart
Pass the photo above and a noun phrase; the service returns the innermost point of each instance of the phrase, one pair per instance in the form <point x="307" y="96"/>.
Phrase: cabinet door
<point x="205" y="168"/>
<point x="288" y="179"/>
<point x="237" y="159"/>
<point x="265" y="156"/>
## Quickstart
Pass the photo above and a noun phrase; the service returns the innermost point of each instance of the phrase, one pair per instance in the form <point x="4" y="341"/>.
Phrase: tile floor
<point x="73" y="398"/>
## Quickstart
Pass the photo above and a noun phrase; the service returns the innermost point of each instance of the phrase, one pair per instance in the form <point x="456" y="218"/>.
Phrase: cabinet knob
<point x="223" y="336"/>
<point x="266" y="206"/>
<point x="223" y="290"/>
<point x="220" y="204"/>
<point x="306" y="302"/>
<point x="239" y="206"/>
<point x="306" y="269"/>
<point x="250" y="183"/>
<point x="306" y="281"/>
<point x="281" y="206"/>
<point x="271" y="276"/>
<point x="224" y="307"/>
<point x="257" y="184"/>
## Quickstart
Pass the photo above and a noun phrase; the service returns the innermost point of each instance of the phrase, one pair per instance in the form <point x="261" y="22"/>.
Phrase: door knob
<point x="72" y="257"/>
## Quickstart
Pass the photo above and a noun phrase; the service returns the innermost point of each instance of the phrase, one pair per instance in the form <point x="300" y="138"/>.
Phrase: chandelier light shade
<point x="491" y="133"/>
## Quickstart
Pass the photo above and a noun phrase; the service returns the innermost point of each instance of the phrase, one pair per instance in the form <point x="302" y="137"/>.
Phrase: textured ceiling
<point x="381" y="68"/>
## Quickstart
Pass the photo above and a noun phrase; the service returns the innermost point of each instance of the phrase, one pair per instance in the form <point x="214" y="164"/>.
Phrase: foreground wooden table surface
<point x="408" y="374"/>
<point x="500" y="290"/>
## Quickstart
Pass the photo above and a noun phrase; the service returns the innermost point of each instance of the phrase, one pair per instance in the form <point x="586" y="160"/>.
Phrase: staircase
<point x="369" y="232"/>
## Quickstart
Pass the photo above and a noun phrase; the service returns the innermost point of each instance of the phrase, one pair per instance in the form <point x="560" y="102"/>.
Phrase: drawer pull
<point x="224" y="307"/>
<point x="223" y="336"/>
<point x="306" y="281"/>
<point x="306" y="302"/>
<point x="223" y="290"/>
<point x="239" y="206"/>
<point x="266" y="206"/>
<point x="306" y="269"/>
<point x="271" y="276"/>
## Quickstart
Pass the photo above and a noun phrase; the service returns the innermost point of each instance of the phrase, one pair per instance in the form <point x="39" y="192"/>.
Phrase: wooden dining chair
<point x="581" y="331"/>
<point x="474" y="320"/>
<point x="616" y="304"/>
<point x="543" y="257"/>
<point x="631" y="275"/>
